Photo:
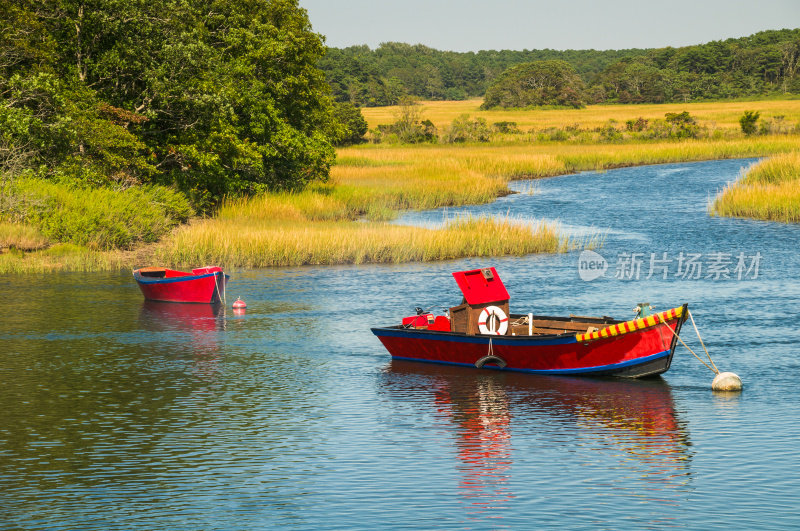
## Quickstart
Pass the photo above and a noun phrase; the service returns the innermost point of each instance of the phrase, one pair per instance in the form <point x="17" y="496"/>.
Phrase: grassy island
<point x="769" y="190"/>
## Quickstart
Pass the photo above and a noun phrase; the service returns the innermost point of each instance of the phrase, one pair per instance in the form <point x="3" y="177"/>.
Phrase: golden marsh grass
<point x="470" y="166"/>
<point x="768" y="190"/>
<point x="269" y="243"/>
<point x="21" y="236"/>
<point x="62" y="257"/>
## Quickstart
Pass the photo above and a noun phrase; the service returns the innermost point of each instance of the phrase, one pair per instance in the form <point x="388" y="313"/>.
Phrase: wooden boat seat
<point x="153" y="272"/>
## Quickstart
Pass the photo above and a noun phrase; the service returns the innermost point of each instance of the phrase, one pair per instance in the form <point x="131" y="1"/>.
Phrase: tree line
<point x="762" y="64"/>
<point x="394" y="70"/>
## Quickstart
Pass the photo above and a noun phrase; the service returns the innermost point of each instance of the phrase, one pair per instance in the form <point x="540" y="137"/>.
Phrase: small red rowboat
<point x="482" y="333"/>
<point x="203" y="285"/>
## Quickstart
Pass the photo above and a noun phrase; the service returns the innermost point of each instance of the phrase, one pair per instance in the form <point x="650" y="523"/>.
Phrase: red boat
<point x="482" y="333"/>
<point x="203" y="285"/>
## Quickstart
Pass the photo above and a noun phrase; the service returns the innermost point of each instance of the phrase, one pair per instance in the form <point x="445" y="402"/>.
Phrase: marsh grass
<point x="22" y="236"/>
<point x="768" y="190"/>
<point x="268" y="243"/>
<point x="61" y="257"/>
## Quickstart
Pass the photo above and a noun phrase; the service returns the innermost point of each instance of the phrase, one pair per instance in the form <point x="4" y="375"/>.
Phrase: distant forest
<point x="762" y="64"/>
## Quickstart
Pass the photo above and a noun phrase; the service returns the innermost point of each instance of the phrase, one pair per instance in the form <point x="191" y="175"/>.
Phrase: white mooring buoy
<point x="726" y="381"/>
<point x="723" y="381"/>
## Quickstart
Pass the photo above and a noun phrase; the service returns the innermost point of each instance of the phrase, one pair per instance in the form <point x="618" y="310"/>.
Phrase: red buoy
<point x="239" y="304"/>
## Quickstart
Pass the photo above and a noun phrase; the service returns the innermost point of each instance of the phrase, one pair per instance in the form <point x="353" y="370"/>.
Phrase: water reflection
<point x="482" y="421"/>
<point x="201" y="321"/>
<point x="632" y="421"/>
<point x="180" y="316"/>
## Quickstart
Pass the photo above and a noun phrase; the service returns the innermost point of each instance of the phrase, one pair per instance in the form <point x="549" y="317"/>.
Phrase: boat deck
<point x="543" y="325"/>
<point x="548" y="325"/>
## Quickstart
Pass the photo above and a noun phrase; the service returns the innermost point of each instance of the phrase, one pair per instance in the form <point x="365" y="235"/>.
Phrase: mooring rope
<point x="223" y="295"/>
<point x="702" y="344"/>
<point x="712" y="369"/>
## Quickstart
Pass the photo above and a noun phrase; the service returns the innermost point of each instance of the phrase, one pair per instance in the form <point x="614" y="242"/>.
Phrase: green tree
<point x="537" y="83"/>
<point x="56" y="129"/>
<point x="219" y="97"/>
<point x="351" y="125"/>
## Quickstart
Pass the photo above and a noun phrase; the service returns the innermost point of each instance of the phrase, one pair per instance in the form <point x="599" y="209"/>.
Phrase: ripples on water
<point x="118" y="413"/>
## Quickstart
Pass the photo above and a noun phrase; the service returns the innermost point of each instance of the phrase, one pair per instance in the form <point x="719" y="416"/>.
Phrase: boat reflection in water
<point x="483" y="444"/>
<point x="202" y="322"/>
<point x="630" y="423"/>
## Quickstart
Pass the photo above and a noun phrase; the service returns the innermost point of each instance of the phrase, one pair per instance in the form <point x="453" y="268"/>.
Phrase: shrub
<point x="554" y="134"/>
<point x="462" y="129"/>
<point x="748" y="122"/>
<point x="683" y="125"/>
<point x="776" y="125"/>
<point x="506" y="127"/>
<point x="99" y="218"/>
<point x="414" y="133"/>
<point x="637" y="126"/>
<point x="609" y="132"/>
<point x="408" y="129"/>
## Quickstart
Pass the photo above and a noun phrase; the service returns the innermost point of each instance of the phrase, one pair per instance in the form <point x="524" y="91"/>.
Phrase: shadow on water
<point x="635" y="420"/>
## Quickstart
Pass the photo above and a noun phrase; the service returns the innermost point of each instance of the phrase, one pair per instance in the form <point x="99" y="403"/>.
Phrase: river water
<point x="118" y="414"/>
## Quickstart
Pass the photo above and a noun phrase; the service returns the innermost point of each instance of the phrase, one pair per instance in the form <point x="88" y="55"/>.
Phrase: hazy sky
<point x="464" y="25"/>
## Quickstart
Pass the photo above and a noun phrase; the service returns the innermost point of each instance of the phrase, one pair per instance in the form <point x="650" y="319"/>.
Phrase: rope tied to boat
<point x="222" y="296"/>
<point x="712" y="367"/>
<point x="490" y="357"/>
<point x="520" y="321"/>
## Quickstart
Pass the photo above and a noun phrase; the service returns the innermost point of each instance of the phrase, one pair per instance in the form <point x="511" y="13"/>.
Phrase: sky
<point x="473" y="25"/>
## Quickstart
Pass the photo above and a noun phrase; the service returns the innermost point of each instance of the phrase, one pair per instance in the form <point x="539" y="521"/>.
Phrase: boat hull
<point x="635" y="354"/>
<point x="207" y="288"/>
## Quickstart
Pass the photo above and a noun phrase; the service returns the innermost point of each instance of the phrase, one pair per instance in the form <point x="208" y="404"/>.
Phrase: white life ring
<point x="499" y="315"/>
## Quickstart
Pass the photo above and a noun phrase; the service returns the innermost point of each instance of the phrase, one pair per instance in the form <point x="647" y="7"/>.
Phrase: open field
<point x="722" y="115"/>
<point x="461" y="169"/>
<point x="344" y="221"/>
<point x="770" y="190"/>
